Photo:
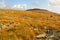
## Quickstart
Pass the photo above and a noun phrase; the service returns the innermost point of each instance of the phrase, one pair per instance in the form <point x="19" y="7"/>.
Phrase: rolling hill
<point x="27" y="24"/>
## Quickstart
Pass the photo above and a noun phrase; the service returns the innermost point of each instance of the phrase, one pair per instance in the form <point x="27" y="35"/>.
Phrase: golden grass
<point x="24" y="25"/>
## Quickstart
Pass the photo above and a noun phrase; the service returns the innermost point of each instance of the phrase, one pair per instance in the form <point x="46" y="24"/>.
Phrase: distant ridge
<point x="37" y="9"/>
<point x="41" y="11"/>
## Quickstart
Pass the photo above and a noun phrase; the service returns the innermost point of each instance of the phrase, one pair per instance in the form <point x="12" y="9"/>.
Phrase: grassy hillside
<point x="25" y="25"/>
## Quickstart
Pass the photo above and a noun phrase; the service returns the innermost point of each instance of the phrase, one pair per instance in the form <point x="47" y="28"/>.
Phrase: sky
<point x="51" y="5"/>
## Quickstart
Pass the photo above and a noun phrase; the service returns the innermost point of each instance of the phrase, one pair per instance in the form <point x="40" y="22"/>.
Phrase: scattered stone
<point x="48" y="35"/>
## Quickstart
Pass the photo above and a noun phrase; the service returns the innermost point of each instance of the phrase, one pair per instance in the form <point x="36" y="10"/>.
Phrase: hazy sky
<point x="27" y="3"/>
<point x="52" y="5"/>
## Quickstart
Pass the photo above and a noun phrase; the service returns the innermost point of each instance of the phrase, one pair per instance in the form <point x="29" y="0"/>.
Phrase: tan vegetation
<point x="25" y="25"/>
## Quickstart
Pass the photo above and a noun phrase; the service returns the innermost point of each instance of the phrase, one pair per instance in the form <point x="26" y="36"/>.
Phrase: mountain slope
<point x="25" y="25"/>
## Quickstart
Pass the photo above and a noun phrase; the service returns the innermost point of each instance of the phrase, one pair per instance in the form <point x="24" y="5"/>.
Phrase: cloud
<point x="54" y="5"/>
<point x="36" y="4"/>
<point x="19" y="6"/>
<point x="2" y="4"/>
<point x="54" y="2"/>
